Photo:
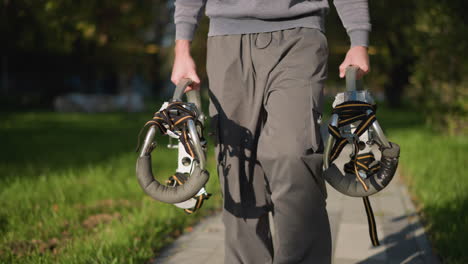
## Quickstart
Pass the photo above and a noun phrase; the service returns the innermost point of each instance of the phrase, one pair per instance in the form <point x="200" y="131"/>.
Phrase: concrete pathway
<point x="401" y="235"/>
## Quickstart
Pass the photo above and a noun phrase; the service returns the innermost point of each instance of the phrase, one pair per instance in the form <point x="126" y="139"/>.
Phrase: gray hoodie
<point x="255" y="16"/>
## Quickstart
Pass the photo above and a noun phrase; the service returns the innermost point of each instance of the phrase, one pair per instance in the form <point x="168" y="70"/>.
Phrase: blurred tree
<point x="392" y="23"/>
<point x="88" y="38"/>
<point x="440" y="75"/>
<point x="418" y="47"/>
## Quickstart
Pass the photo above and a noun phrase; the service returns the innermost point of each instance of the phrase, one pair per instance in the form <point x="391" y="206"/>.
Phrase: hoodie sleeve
<point x="186" y="16"/>
<point x="354" y="15"/>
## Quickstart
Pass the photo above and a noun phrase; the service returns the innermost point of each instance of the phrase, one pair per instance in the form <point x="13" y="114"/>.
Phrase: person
<point x="266" y="66"/>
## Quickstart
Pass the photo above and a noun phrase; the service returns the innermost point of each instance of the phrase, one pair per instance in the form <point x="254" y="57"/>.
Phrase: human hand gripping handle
<point x="356" y="56"/>
<point x="198" y="176"/>
<point x="184" y="66"/>
<point x="352" y="81"/>
<point x="181" y="86"/>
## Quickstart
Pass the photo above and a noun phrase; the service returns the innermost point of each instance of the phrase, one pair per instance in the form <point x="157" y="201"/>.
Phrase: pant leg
<point x="289" y="147"/>
<point x="235" y="110"/>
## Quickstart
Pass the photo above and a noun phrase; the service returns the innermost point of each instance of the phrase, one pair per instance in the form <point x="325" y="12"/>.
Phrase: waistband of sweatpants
<point x="229" y="26"/>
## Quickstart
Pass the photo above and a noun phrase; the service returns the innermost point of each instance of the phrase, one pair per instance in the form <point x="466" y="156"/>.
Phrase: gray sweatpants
<point x="266" y="94"/>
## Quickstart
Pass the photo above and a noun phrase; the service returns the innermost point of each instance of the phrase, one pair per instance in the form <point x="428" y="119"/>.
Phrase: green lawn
<point x="68" y="191"/>
<point x="69" y="194"/>
<point x="434" y="166"/>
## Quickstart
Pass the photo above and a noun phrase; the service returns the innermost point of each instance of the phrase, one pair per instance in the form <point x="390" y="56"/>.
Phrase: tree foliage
<point x="439" y="79"/>
<point x="417" y="47"/>
<point x="419" y="53"/>
<point x="85" y="38"/>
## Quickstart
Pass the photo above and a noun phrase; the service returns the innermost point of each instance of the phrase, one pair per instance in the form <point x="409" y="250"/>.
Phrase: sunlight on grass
<point x="70" y="195"/>
<point x="434" y="166"/>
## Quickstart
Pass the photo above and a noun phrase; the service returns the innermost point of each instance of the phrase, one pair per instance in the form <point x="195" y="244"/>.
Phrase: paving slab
<point x="402" y="237"/>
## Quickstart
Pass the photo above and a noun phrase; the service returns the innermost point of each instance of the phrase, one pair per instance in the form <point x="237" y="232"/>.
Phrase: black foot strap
<point x="371" y="222"/>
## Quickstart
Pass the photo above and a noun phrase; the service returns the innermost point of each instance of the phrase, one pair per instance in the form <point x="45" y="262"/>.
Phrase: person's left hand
<point x="356" y="56"/>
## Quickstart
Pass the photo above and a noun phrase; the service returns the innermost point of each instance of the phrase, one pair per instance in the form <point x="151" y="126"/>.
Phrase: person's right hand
<point x="184" y="65"/>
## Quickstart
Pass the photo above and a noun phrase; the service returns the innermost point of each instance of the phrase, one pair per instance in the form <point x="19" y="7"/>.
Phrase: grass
<point x="68" y="191"/>
<point x="434" y="166"/>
